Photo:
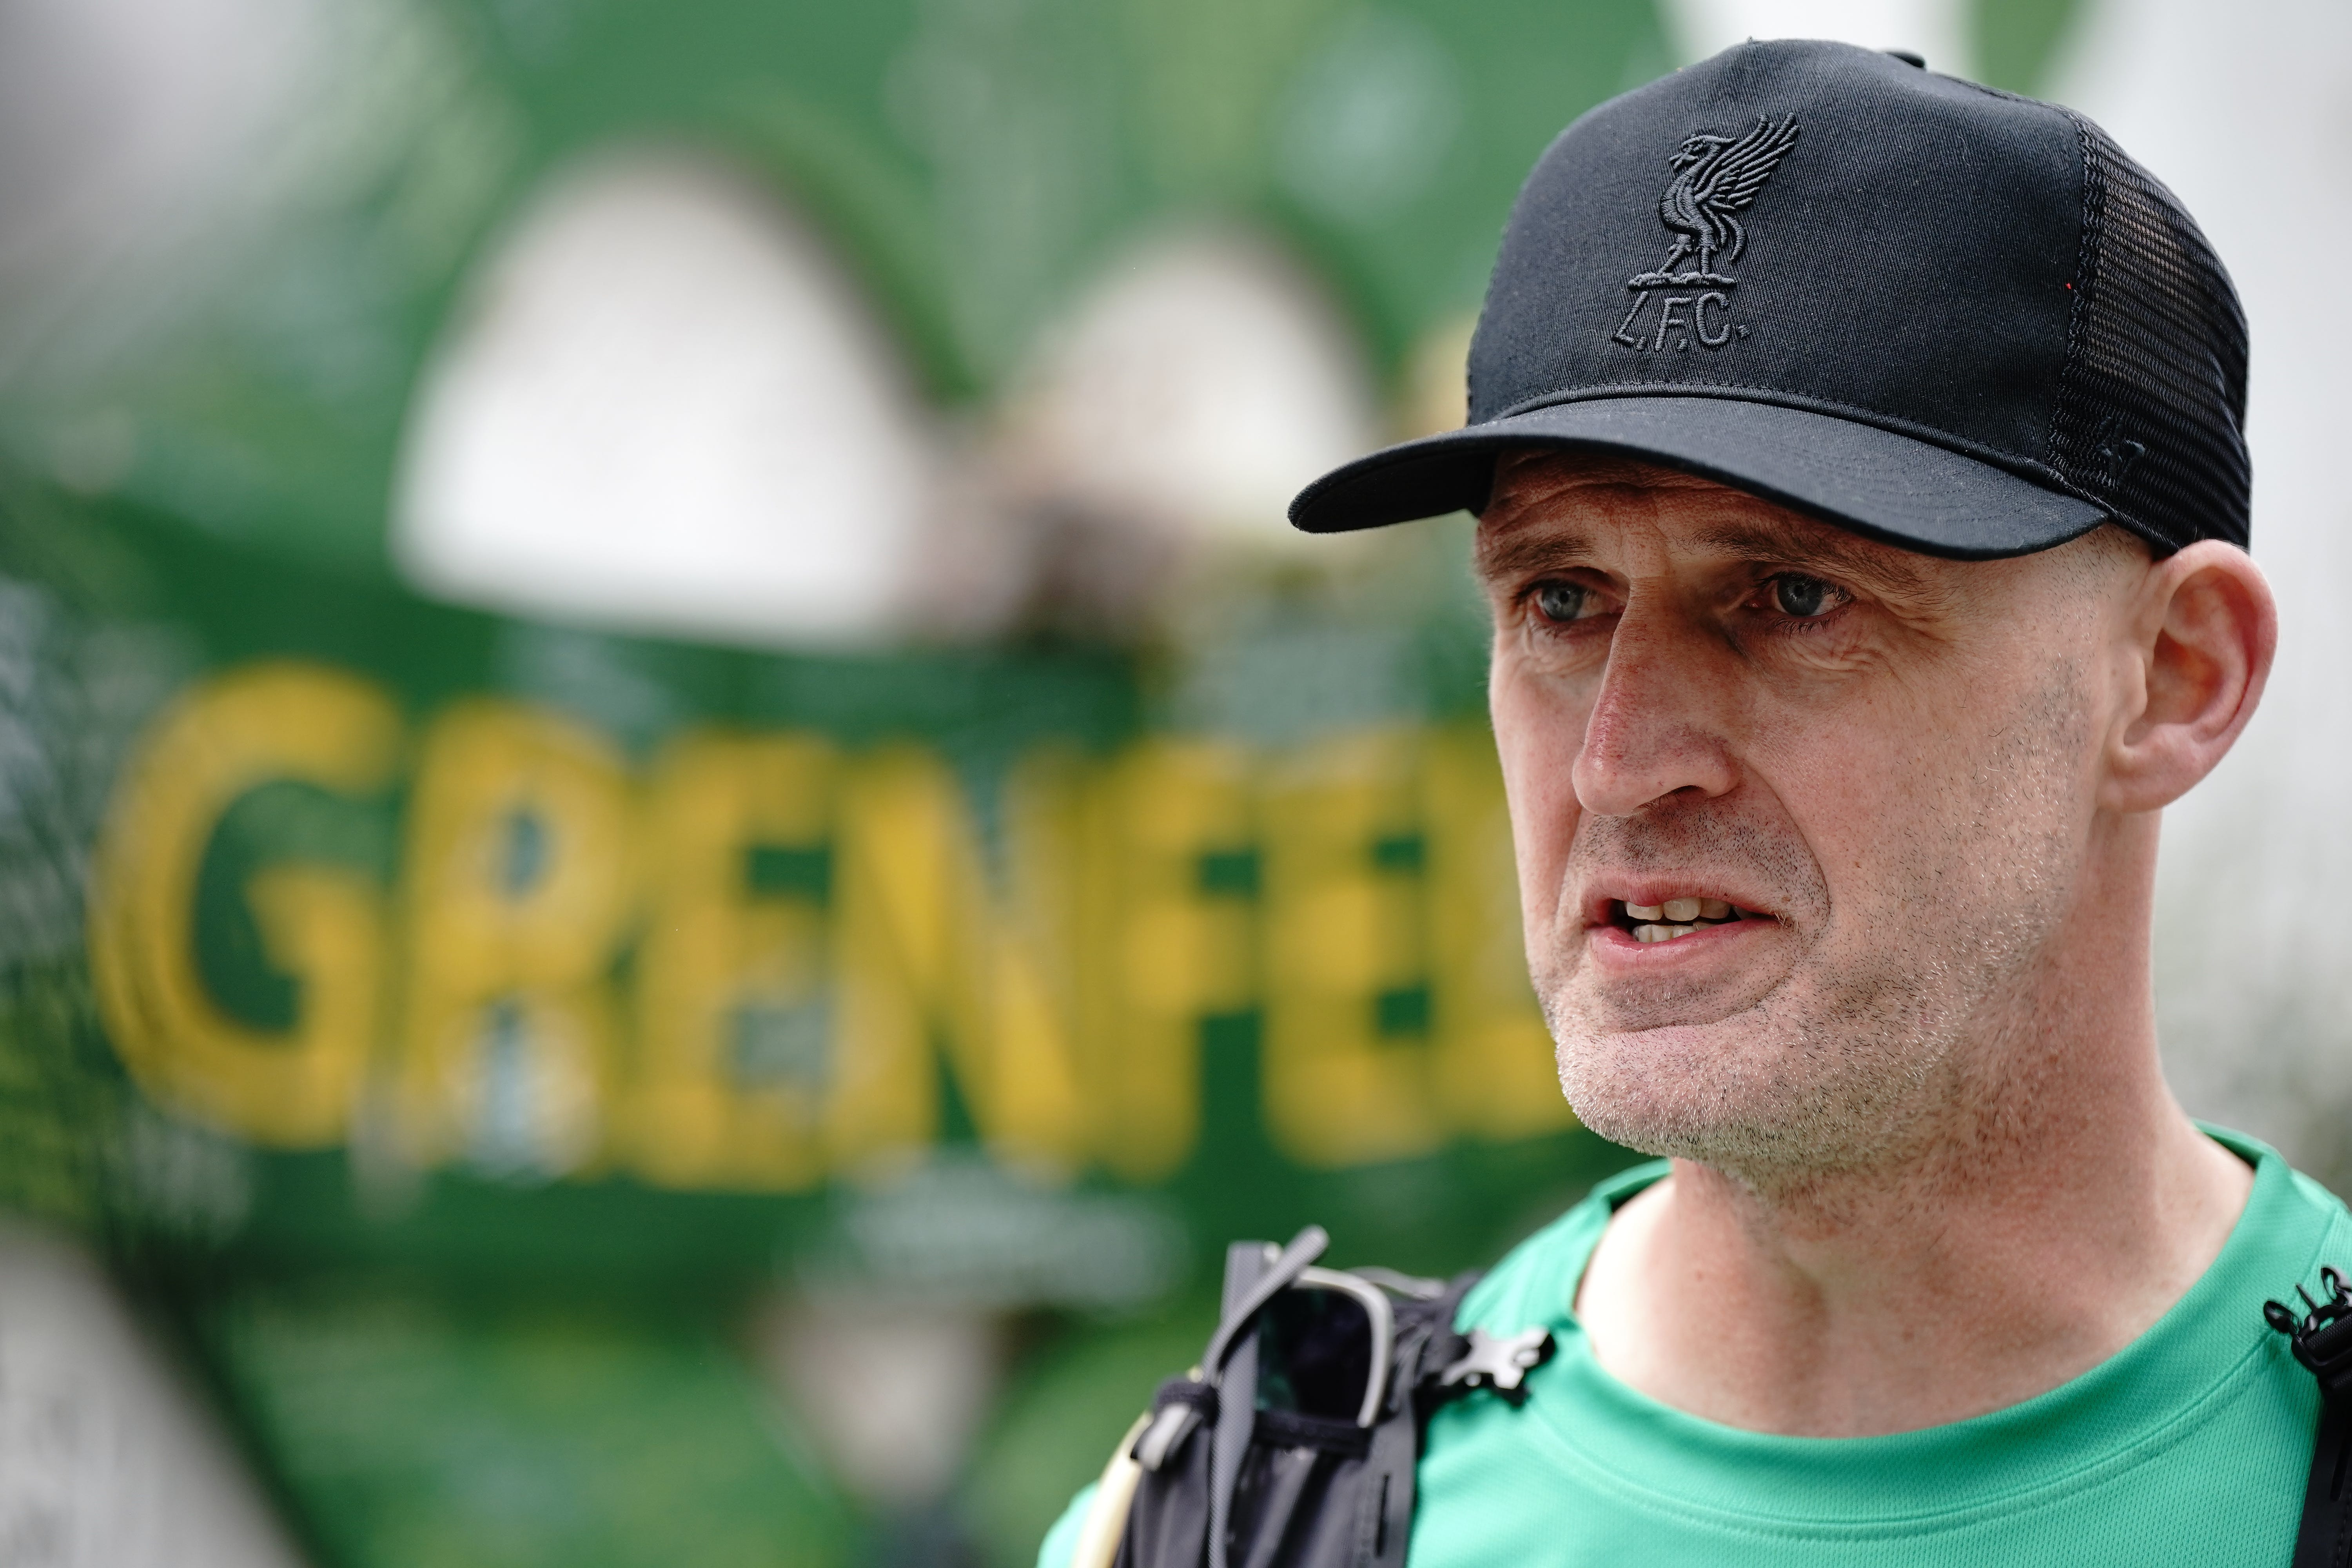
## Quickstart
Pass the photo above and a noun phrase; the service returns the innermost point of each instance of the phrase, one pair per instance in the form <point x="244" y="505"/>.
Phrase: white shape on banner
<point x="1194" y="390"/>
<point x="665" y="409"/>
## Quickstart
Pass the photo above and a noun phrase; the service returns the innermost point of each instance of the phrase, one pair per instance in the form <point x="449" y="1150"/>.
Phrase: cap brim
<point x="1873" y="481"/>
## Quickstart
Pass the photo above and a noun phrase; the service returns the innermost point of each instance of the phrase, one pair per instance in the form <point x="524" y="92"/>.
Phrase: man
<point x="1863" y="522"/>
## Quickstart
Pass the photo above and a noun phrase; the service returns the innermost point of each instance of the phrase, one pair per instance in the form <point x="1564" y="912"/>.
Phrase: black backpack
<point x="1295" y="1440"/>
<point x="1294" y="1443"/>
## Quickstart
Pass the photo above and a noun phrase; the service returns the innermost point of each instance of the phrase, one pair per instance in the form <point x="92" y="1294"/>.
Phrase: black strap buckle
<point x="1499" y="1362"/>
<point x="2321" y="1338"/>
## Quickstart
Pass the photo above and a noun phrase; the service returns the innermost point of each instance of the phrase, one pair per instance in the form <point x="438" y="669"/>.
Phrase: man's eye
<point x="1803" y="598"/>
<point x="1560" y="601"/>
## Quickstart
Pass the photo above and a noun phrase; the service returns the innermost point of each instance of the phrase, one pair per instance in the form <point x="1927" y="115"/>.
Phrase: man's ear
<point x="2204" y="628"/>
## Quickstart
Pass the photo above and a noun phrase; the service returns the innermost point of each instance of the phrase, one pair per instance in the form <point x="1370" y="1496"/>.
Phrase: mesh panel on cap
<point x="2151" y="409"/>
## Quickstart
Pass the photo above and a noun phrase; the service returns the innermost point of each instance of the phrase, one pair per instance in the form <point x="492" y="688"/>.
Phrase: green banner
<point x="445" y="923"/>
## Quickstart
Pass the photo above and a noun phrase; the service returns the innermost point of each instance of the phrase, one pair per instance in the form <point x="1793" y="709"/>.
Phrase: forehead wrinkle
<point x="1545" y="523"/>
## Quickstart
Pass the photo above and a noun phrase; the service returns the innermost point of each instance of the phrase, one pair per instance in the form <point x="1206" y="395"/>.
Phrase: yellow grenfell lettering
<point x="891" y="943"/>
<point x="1161" y="927"/>
<point x="734" y="1036"/>
<point x="264" y="724"/>
<point x="518" y="882"/>
<point x="925" y="955"/>
<point x="1037" y="1108"/>
<point x="824" y="935"/>
<point x="1347" y="1064"/>
<point x="1495" y="1070"/>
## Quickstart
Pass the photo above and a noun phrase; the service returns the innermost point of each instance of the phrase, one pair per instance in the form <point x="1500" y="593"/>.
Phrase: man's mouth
<point x="1675" y="918"/>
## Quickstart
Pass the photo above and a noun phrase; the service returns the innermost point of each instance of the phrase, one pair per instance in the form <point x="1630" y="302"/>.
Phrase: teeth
<point x="1661" y="934"/>
<point x="1682" y="911"/>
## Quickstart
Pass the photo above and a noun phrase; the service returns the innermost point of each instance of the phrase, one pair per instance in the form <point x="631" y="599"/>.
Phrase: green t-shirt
<point x="2191" y="1446"/>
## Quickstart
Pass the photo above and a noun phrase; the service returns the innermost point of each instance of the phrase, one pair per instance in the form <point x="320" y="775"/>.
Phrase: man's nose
<point x="1657" y="721"/>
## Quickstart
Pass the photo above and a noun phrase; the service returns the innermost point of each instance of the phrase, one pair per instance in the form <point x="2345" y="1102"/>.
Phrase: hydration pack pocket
<point x="1293" y="1444"/>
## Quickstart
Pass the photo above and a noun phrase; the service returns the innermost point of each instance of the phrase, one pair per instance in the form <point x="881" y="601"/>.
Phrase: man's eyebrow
<point x="1517" y="553"/>
<point x="1822" y="548"/>
<point x="1514" y="553"/>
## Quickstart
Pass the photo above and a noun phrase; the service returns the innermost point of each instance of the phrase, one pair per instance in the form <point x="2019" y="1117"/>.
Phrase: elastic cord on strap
<point x="1304" y="1247"/>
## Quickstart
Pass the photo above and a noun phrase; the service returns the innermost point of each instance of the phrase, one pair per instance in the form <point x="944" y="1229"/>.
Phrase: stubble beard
<point x="1868" y="1050"/>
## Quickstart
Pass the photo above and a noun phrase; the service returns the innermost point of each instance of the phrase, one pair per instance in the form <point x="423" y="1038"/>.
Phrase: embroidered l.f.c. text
<point x="1716" y="177"/>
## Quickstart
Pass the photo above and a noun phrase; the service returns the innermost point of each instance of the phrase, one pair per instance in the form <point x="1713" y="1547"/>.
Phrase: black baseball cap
<point x="1950" y="318"/>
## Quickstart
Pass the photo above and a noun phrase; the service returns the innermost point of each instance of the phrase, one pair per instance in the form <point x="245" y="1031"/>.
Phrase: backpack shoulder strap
<point x="2322" y="1341"/>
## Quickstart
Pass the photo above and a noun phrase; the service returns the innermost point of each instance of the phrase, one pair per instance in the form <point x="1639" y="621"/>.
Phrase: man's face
<point x="1797" y="815"/>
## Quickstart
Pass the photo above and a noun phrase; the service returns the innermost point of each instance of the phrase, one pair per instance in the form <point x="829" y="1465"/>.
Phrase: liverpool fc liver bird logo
<point x="1715" y="177"/>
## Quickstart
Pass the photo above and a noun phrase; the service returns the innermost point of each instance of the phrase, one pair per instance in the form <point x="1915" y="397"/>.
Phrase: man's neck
<point x="1904" y="1313"/>
<point x="2016" y="1246"/>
